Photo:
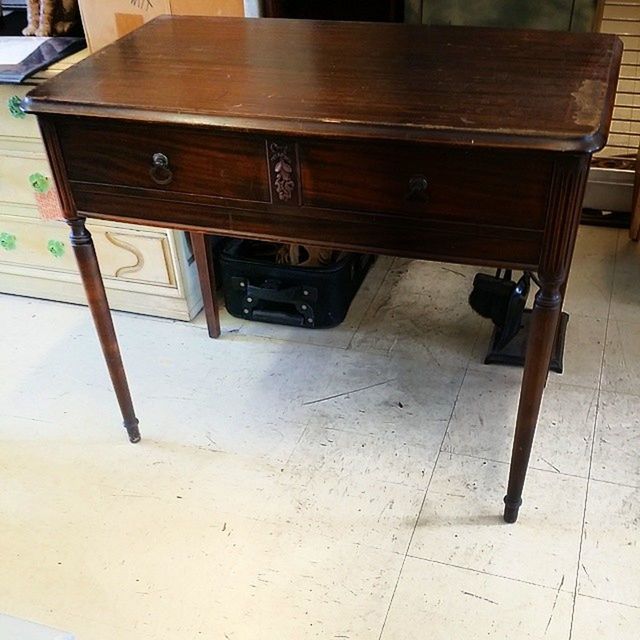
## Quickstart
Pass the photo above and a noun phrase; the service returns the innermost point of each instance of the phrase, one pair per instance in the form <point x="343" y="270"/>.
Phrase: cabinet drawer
<point x="16" y="170"/>
<point x="132" y="255"/>
<point x="169" y="159"/>
<point x="13" y="121"/>
<point x="505" y="188"/>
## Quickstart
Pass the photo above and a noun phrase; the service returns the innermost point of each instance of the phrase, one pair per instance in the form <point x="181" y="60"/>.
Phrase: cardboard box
<point x="105" y="22"/>
<point x="207" y="7"/>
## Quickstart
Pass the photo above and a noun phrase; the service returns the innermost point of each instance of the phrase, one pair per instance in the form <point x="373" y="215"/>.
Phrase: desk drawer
<point x="139" y="255"/>
<point x="198" y="162"/>
<point x="16" y="170"/>
<point x="506" y="188"/>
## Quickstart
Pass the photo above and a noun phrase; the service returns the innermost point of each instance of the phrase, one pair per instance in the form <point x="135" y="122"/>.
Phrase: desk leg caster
<point x="85" y="253"/>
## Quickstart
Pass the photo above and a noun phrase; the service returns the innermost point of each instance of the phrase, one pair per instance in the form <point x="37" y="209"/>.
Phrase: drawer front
<point x="167" y="159"/>
<point x="504" y="188"/>
<point x="131" y="255"/>
<point x="13" y="121"/>
<point x="20" y="175"/>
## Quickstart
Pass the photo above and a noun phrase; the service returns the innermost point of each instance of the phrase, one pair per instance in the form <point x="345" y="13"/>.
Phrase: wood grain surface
<point x="530" y="89"/>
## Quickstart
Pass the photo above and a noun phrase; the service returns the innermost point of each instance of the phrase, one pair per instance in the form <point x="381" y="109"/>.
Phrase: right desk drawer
<point x="504" y="188"/>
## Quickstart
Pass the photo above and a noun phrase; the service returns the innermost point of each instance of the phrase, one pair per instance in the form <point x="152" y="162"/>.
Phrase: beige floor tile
<point x="461" y="522"/>
<point x="584" y="347"/>
<point x="625" y="301"/>
<point x="621" y="367"/>
<point x="149" y="542"/>
<point x="26" y="323"/>
<point x="372" y="393"/>
<point x="483" y="422"/>
<point x="200" y="391"/>
<point x="421" y="309"/>
<point x="279" y="480"/>
<point x="591" y="279"/>
<point x="611" y="545"/>
<point x="604" y="620"/>
<point x="381" y="458"/>
<point x="244" y="395"/>
<point x="339" y="336"/>
<point x="415" y="405"/>
<point x="441" y="602"/>
<point x="616" y="454"/>
<point x="348" y="508"/>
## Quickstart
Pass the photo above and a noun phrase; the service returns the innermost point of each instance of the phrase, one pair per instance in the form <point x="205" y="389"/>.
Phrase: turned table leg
<point x="564" y="206"/>
<point x="204" y="261"/>
<point x="544" y="322"/>
<point x="94" y="287"/>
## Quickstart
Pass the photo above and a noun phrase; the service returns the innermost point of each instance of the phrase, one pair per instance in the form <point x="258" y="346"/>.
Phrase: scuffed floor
<point x="332" y="484"/>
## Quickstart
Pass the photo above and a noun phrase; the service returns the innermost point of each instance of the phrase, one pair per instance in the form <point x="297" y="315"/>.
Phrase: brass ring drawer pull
<point x="417" y="189"/>
<point x="160" y="172"/>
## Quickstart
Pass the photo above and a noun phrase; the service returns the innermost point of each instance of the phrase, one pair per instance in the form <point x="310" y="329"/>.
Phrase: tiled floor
<point x="331" y="484"/>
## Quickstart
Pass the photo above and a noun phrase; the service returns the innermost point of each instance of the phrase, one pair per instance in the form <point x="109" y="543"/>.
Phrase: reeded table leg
<point x="542" y="334"/>
<point x="94" y="287"/>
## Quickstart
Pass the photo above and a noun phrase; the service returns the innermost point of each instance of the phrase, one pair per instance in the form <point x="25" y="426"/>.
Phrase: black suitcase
<point x="312" y="297"/>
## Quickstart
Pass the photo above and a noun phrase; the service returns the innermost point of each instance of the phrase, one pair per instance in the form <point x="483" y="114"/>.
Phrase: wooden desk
<point x="454" y="144"/>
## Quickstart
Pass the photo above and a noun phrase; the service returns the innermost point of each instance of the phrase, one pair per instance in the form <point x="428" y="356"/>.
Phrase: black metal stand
<point x="512" y="354"/>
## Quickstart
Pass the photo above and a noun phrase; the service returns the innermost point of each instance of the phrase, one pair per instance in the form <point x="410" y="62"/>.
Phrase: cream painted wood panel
<point x="135" y="255"/>
<point x="15" y="169"/>
<point x="14" y="122"/>
<point x="146" y="270"/>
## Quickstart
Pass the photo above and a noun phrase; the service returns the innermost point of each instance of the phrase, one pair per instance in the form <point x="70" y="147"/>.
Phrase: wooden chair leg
<point x="85" y="253"/>
<point x="204" y="261"/>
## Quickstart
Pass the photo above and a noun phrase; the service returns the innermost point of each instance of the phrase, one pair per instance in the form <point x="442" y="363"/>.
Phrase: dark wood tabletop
<point x="486" y="87"/>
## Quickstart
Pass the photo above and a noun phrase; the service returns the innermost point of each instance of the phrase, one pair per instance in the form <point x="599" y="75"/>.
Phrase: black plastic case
<point x="312" y="297"/>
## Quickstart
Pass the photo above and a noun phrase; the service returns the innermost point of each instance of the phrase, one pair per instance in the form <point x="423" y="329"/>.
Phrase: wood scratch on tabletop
<point x="346" y="393"/>
<point x="474" y="595"/>
<point x="555" y="602"/>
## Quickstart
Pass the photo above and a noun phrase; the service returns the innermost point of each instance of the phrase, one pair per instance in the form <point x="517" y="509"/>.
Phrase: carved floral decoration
<point x="283" y="170"/>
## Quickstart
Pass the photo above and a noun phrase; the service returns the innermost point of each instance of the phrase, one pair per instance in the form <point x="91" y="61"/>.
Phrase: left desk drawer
<point x="166" y="159"/>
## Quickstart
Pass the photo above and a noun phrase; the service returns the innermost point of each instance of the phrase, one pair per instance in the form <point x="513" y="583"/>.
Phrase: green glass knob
<point x="39" y="182"/>
<point x="7" y="241"/>
<point x="15" y="107"/>
<point x="55" y="248"/>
